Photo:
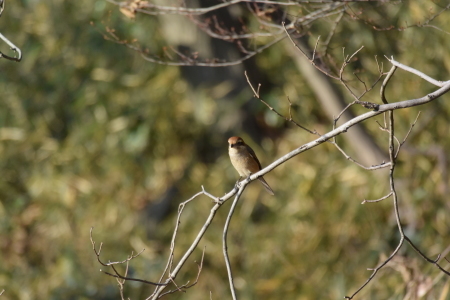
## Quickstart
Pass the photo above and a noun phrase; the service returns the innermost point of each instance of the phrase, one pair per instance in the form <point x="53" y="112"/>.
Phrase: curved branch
<point x="384" y="84"/>
<point x="13" y="48"/>
<point x="416" y="72"/>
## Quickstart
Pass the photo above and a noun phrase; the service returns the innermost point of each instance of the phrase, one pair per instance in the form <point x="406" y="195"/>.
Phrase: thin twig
<point x="377" y="200"/>
<point x="371" y="168"/>
<point x="290" y="119"/>
<point x="315" y="49"/>
<point x="332" y="31"/>
<point x="347" y="61"/>
<point x="187" y="285"/>
<point x="375" y="270"/>
<point x="407" y="134"/>
<point x="368" y="105"/>
<point x="111" y="264"/>
<point x="434" y="262"/>
<point x="174" y="235"/>
<point x="311" y="60"/>
<point x="134" y="279"/>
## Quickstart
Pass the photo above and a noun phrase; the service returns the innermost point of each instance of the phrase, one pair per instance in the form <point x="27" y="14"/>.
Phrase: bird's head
<point x="235" y="142"/>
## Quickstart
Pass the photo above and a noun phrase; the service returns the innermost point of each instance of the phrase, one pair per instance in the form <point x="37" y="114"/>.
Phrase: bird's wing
<point x="252" y="153"/>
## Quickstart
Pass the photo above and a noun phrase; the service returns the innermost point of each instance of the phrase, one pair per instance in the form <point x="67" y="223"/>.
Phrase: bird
<point x="244" y="160"/>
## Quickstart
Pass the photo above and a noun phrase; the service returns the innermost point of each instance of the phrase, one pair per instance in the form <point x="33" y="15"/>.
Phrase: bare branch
<point x="434" y="262"/>
<point x="97" y="253"/>
<point x="378" y="268"/>
<point x="175" y="232"/>
<point x="365" y="104"/>
<point x="224" y="241"/>
<point x="13" y="48"/>
<point x="187" y="285"/>
<point x="311" y="60"/>
<point x="407" y="134"/>
<point x="385" y="82"/>
<point x="315" y="48"/>
<point x="256" y="95"/>
<point x="332" y="31"/>
<point x="347" y="61"/>
<point x="371" y="168"/>
<point x="378" y="200"/>
<point x="417" y="72"/>
<point x="117" y="275"/>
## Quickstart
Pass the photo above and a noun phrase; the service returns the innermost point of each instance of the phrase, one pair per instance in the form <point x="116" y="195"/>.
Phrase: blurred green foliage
<point x="92" y="135"/>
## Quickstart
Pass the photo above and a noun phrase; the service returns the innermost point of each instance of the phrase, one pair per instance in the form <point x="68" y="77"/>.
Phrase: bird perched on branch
<point x="244" y="160"/>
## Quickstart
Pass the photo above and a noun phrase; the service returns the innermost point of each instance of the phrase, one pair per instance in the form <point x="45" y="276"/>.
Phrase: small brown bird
<point x="244" y="160"/>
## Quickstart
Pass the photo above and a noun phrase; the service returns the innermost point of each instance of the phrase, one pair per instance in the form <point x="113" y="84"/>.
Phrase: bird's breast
<point x="243" y="162"/>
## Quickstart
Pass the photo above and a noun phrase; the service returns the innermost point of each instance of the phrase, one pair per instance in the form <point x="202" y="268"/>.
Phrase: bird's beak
<point x="232" y="145"/>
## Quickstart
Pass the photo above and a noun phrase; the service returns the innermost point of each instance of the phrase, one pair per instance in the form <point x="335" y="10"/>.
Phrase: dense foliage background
<point x="92" y="135"/>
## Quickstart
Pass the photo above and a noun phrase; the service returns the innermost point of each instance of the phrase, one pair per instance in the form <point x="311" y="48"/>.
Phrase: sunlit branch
<point x="13" y="48"/>
<point x="417" y="72"/>
<point x="224" y="241"/>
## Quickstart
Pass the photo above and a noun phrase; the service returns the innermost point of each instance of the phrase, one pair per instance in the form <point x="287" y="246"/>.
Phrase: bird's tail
<point x="266" y="186"/>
